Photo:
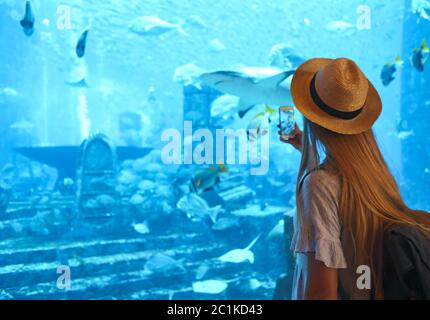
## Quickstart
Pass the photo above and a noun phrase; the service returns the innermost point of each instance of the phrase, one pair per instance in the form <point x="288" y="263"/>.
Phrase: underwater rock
<point x="189" y="75"/>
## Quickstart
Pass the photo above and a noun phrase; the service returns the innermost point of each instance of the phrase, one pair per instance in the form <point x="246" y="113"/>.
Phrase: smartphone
<point x="286" y="122"/>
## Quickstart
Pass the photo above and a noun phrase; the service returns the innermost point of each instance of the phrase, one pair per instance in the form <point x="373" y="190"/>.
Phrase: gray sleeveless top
<point x="321" y="234"/>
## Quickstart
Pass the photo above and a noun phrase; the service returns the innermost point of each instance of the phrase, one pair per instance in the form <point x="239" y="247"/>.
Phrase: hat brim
<point x="300" y="91"/>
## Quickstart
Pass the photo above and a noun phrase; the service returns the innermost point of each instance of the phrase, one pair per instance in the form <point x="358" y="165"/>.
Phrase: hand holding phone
<point x="289" y="131"/>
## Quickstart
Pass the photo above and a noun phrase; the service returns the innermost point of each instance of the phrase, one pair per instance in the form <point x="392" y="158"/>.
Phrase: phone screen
<point x="286" y="121"/>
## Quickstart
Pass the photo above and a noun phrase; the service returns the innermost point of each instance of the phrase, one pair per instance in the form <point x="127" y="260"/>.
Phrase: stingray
<point x="240" y="255"/>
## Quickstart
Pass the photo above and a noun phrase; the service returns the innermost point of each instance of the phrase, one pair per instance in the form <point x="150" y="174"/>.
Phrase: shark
<point x="253" y="86"/>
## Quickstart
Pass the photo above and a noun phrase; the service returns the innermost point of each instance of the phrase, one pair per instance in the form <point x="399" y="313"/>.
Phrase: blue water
<point x="105" y="220"/>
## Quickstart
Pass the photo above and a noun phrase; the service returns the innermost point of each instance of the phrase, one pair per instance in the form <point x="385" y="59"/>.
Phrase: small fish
<point x="197" y="208"/>
<point x="210" y="286"/>
<point x="82" y="43"/>
<point x="240" y="255"/>
<point x="340" y="26"/>
<point x="79" y="84"/>
<point x="277" y="231"/>
<point x="402" y="135"/>
<point x="207" y="178"/>
<point x="254" y="284"/>
<point x="202" y="270"/>
<point x="68" y="182"/>
<point x="142" y="228"/>
<point x="420" y="56"/>
<point x="225" y="223"/>
<point x="216" y="45"/>
<point x="22" y="125"/>
<point x="259" y="124"/>
<point x="137" y="199"/>
<point x="27" y="23"/>
<point x="387" y="73"/>
<point x="153" y="26"/>
<point x="161" y="263"/>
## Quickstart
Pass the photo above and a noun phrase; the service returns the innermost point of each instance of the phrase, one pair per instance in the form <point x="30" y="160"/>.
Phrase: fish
<point x="137" y="199"/>
<point x="255" y="210"/>
<point x="253" y="86"/>
<point x="27" y="22"/>
<point x="82" y="43"/>
<point x="254" y="284"/>
<point x="240" y="255"/>
<point x="210" y="286"/>
<point x="141" y="228"/>
<point x="153" y="26"/>
<point x="225" y="223"/>
<point x="421" y="8"/>
<point x="196" y="21"/>
<point x="260" y="123"/>
<point x="22" y="125"/>
<point x="216" y="45"/>
<point x="402" y="135"/>
<point x="8" y="92"/>
<point x="278" y="230"/>
<point x="162" y="263"/>
<point x="340" y="26"/>
<point x="206" y="179"/>
<point x="197" y="208"/>
<point x="420" y="56"/>
<point x="202" y="270"/>
<point x="387" y="73"/>
<point x="79" y="84"/>
<point x="284" y="57"/>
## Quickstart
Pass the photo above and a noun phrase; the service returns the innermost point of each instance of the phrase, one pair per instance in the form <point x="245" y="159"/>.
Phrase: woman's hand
<point x="296" y="140"/>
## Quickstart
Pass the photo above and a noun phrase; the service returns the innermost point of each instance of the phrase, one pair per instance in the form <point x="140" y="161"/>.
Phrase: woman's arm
<point x="321" y="280"/>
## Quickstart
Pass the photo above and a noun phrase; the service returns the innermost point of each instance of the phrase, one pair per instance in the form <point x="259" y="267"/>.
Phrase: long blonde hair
<point x="370" y="200"/>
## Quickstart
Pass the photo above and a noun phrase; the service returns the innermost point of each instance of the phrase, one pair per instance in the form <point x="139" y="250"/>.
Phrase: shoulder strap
<point x="307" y="174"/>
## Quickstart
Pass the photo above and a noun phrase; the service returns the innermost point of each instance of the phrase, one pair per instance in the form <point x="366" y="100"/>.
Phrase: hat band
<point x="346" y="115"/>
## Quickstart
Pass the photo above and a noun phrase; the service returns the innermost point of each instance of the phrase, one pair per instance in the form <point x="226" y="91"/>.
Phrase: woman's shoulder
<point x="321" y="181"/>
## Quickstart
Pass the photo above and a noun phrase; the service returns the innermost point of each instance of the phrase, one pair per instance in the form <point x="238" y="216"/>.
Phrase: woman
<point x="345" y="201"/>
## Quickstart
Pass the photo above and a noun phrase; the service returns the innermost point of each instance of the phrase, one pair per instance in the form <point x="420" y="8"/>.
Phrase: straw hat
<point x="335" y="94"/>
